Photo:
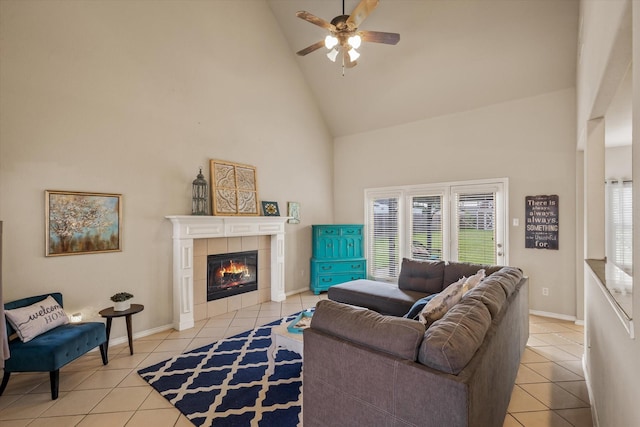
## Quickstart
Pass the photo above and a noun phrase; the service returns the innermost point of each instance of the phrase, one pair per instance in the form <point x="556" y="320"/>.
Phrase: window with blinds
<point x="463" y="221"/>
<point x="476" y="231"/>
<point x="619" y="229"/>
<point x="383" y="245"/>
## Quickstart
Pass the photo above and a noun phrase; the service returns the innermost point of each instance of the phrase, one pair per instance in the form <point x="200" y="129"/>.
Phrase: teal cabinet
<point x="337" y="255"/>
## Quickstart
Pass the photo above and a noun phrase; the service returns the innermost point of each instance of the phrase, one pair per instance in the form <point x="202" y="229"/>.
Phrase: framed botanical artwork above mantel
<point x="233" y="188"/>
<point x="82" y="223"/>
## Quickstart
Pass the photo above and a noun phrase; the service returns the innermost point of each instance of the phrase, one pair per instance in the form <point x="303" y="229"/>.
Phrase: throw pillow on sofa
<point x="473" y="281"/>
<point x="439" y="305"/>
<point x="418" y="306"/>
<point x="36" y="319"/>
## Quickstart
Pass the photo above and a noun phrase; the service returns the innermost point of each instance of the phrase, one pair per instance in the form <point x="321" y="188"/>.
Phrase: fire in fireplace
<point x="231" y="274"/>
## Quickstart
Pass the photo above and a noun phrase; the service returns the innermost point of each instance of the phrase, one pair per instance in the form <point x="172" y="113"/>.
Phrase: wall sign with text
<point x="542" y="222"/>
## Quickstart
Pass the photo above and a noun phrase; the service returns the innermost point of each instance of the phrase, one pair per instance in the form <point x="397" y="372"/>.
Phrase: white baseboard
<point x="553" y="315"/>
<point x="297" y="291"/>
<point x="140" y="334"/>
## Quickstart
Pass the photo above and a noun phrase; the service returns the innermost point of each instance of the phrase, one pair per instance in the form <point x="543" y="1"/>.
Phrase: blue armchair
<point x="53" y="349"/>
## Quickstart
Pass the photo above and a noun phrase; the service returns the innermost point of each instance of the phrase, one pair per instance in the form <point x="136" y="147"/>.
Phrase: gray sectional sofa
<point x="364" y="368"/>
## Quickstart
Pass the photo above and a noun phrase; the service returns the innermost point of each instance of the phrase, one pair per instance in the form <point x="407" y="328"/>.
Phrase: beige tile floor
<point x="550" y="389"/>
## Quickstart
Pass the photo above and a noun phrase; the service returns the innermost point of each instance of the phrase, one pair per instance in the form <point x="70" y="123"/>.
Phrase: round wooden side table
<point x="110" y="313"/>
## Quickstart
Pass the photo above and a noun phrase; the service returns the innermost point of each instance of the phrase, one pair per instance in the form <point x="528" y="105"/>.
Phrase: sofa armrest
<point x="393" y="335"/>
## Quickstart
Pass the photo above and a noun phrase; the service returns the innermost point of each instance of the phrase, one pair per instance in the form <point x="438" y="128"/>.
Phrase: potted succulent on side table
<point x="121" y="301"/>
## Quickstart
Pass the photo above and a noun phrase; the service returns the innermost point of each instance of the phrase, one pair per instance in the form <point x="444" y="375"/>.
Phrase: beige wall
<point x="115" y="96"/>
<point x="597" y="81"/>
<point x="530" y="141"/>
<point x="611" y="357"/>
<point x="618" y="163"/>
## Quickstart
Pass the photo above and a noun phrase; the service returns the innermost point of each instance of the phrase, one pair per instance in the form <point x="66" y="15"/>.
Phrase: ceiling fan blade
<point x="309" y="17"/>
<point x="311" y="48"/>
<point x="362" y="10"/>
<point x="379" y="37"/>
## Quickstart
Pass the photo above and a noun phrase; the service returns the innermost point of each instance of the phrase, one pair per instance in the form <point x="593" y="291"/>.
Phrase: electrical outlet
<point x="545" y="292"/>
<point x="301" y="273"/>
<point x="516" y="222"/>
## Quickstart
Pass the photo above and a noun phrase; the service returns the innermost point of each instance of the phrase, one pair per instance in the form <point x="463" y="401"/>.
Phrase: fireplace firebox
<point x="231" y="274"/>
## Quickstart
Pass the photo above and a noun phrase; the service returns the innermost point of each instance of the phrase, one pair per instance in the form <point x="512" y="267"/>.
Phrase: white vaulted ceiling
<point x="453" y="55"/>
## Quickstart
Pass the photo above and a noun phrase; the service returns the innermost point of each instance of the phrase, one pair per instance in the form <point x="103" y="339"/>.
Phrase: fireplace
<point x="231" y="274"/>
<point x="189" y="234"/>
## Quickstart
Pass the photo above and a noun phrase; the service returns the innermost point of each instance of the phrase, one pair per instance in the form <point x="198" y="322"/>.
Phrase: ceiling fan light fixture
<point x="343" y="36"/>
<point x="330" y="41"/>
<point x="355" y="41"/>
<point x="353" y="55"/>
<point x="332" y="55"/>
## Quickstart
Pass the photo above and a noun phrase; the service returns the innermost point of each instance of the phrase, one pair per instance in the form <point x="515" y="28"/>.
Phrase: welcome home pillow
<point x="35" y="319"/>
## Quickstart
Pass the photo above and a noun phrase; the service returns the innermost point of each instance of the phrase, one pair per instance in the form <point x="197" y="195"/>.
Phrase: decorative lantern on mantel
<point x="200" y="196"/>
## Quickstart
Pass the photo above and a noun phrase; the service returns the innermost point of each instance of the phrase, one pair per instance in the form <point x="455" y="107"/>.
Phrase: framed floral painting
<point x="82" y="223"/>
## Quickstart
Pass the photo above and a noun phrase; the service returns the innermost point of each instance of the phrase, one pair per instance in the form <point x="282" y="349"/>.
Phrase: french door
<point x="455" y="222"/>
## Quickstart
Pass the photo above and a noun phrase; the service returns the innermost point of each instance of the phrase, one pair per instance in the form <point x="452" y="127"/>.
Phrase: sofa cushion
<point x="508" y="277"/>
<point x="417" y="307"/>
<point x="393" y="335"/>
<point x="490" y="293"/>
<point x="438" y="306"/>
<point x="450" y="343"/>
<point x="37" y="318"/>
<point x="385" y="298"/>
<point x="453" y="271"/>
<point x="421" y="276"/>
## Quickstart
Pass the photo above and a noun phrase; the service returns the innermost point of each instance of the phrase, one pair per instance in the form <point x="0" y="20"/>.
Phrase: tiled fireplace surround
<point x="222" y="245"/>
<point x="195" y="237"/>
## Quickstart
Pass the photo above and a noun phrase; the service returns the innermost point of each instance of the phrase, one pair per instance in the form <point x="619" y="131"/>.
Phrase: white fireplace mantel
<point x="186" y="228"/>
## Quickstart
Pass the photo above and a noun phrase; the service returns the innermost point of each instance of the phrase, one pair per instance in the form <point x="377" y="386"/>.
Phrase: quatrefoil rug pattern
<point x="226" y="383"/>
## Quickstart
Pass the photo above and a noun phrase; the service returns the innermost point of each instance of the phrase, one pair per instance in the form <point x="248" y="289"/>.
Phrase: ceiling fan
<point x="344" y="35"/>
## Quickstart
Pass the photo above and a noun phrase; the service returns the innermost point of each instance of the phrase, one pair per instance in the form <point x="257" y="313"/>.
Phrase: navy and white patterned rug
<point x="226" y="383"/>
